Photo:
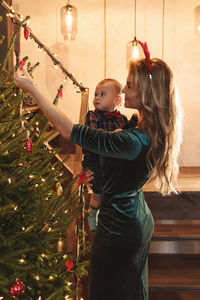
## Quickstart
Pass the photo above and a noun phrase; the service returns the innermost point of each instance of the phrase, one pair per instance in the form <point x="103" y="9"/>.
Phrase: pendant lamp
<point x="134" y="50"/>
<point x="197" y="19"/>
<point x="68" y="15"/>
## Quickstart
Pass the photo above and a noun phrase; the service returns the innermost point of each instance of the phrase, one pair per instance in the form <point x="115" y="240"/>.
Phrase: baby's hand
<point x="118" y="129"/>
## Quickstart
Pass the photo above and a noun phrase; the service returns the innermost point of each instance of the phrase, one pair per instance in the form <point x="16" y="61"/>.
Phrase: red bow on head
<point x="110" y="115"/>
<point x="147" y="55"/>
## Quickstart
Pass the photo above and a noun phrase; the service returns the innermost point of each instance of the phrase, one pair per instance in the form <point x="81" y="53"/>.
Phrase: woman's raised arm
<point x="62" y="123"/>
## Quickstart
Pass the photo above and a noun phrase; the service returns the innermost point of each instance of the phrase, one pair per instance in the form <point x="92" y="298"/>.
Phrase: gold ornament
<point x="28" y="99"/>
<point x="60" y="245"/>
<point x="59" y="189"/>
<point x="24" y="133"/>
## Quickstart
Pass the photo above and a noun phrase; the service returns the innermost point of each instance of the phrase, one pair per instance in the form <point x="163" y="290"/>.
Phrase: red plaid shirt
<point x="98" y="119"/>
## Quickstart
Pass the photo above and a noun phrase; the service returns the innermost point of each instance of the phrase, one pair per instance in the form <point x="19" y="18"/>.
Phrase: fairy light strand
<point x="56" y="62"/>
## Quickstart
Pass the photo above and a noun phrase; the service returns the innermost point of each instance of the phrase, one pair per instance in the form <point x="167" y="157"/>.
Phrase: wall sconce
<point x="68" y="15"/>
<point x="197" y="19"/>
<point x="134" y="50"/>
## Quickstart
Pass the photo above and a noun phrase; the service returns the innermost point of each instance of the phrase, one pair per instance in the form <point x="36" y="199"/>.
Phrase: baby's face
<point x="105" y="97"/>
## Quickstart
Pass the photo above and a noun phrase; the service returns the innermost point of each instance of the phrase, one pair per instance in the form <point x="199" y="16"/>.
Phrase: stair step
<point x="177" y="231"/>
<point x="173" y="295"/>
<point x="175" y="247"/>
<point x="183" y="206"/>
<point x="174" y="271"/>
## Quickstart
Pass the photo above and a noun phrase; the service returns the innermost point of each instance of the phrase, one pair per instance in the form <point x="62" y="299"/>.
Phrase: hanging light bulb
<point x="68" y="21"/>
<point x="134" y="50"/>
<point x="197" y="19"/>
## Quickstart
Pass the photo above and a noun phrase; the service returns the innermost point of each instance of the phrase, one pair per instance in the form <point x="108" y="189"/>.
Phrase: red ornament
<point x="82" y="178"/>
<point x="69" y="264"/>
<point x="60" y="93"/>
<point x="50" y="126"/>
<point x="17" y="289"/>
<point x="26" y="32"/>
<point x="29" y="146"/>
<point x="22" y="64"/>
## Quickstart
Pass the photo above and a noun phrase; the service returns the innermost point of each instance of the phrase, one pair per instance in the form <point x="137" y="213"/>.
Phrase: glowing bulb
<point x="69" y="20"/>
<point x="21" y="260"/>
<point x="135" y="52"/>
<point x="9" y="180"/>
<point x="15" y="208"/>
<point x="37" y="278"/>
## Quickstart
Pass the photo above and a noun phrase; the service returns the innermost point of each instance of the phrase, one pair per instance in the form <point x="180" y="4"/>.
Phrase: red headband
<point x="147" y="55"/>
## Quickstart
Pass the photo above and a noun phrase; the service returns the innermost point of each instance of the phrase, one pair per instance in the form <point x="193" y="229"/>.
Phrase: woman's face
<point x="132" y="98"/>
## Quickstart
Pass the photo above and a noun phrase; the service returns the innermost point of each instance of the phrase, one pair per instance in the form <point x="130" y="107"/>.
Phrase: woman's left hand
<point x="24" y="81"/>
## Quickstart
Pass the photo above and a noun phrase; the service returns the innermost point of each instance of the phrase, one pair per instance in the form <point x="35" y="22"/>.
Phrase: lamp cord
<point x="135" y="21"/>
<point x="163" y="29"/>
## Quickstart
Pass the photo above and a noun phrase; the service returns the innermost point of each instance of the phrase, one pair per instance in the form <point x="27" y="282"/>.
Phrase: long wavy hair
<point x="161" y="118"/>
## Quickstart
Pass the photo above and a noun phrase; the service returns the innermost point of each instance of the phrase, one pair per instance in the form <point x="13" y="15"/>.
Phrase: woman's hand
<point x="24" y="81"/>
<point x="55" y="115"/>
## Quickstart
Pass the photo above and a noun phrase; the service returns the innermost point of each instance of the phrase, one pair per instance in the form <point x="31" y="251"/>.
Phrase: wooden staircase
<point x="174" y="258"/>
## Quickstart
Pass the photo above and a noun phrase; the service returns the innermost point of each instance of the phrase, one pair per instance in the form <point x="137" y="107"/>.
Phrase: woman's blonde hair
<point x="161" y="117"/>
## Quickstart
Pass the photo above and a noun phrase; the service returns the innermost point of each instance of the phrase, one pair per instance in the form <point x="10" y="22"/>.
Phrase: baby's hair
<point x="117" y="86"/>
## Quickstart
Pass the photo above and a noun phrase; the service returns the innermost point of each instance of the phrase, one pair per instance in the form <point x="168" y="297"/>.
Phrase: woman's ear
<point x="118" y="101"/>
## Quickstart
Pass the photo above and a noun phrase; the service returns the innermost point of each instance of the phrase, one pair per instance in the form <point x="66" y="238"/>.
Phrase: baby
<point x="105" y="117"/>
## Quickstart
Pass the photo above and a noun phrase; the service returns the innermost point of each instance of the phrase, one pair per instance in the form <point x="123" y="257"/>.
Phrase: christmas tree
<point x="37" y="203"/>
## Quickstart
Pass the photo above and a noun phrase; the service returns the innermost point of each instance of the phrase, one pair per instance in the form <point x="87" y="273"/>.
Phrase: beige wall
<point x="85" y="57"/>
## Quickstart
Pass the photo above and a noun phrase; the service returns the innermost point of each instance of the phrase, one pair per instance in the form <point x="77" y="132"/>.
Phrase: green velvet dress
<point x="125" y="225"/>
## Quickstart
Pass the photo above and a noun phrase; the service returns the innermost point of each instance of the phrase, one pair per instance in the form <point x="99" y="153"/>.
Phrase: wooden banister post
<point x="72" y="233"/>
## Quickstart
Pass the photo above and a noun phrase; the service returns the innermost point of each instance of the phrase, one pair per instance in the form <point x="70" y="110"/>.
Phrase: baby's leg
<point x="94" y="206"/>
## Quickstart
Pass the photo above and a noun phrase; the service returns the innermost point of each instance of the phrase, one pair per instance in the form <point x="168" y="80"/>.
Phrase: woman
<point x="128" y="159"/>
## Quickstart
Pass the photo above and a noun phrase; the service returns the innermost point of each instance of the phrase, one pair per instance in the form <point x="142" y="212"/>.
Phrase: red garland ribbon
<point x="82" y="178"/>
<point x="17" y="289"/>
<point x="22" y="64"/>
<point x="60" y="93"/>
<point x="69" y="265"/>
<point x="147" y="55"/>
<point x="26" y="32"/>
